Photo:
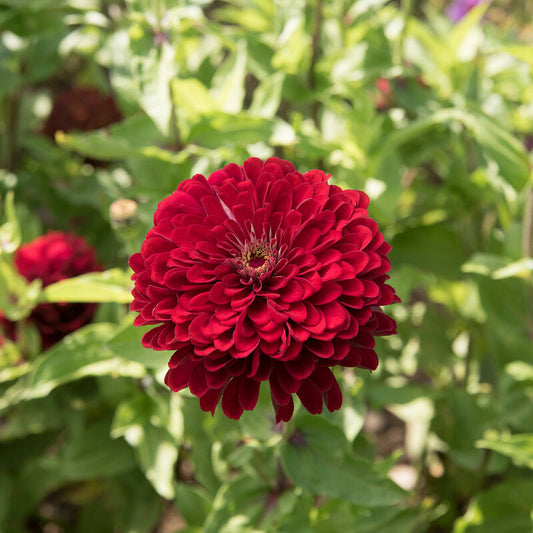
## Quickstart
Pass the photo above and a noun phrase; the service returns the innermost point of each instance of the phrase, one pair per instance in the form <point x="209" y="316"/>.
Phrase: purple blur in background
<point x="459" y="8"/>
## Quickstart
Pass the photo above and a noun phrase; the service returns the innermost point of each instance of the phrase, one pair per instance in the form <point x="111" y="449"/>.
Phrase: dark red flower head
<point x="81" y="108"/>
<point x="52" y="258"/>
<point x="261" y="273"/>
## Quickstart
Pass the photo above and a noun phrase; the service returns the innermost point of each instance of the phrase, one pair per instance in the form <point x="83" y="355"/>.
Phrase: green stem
<point x="12" y="130"/>
<point x="315" y="52"/>
<point x="527" y="232"/>
<point x="407" y="9"/>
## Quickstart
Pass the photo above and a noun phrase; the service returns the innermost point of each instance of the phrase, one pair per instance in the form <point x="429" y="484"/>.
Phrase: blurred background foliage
<point x="432" y="118"/>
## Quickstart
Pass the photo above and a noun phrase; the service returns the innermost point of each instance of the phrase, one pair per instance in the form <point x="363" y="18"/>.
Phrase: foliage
<point x="91" y="439"/>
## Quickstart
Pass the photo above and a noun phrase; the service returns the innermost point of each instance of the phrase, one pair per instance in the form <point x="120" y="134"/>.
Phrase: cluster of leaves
<point x="428" y="118"/>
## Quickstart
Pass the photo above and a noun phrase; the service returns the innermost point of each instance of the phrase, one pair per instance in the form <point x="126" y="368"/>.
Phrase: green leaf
<point x="109" y="286"/>
<point x="191" y="97"/>
<point x="153" y="73"/>
<point x="521" y="52"/>
<point x="434" y="248"/>
<point x="155" y="449"/>
<point x="4" y="497"/>
<point x="10" y="235"/>
<point x="222" y="129"/>
<point x="157" y="453"/>
<point x="91" y="453"/>
<point x="465" y="31"/>
<point x="192" y="503"/>
<point x="81" y="354"/>
<point x="503" y="508"/>
<point x="316" y="457"/>
<point x="519" y="447"/>
<point x="500" y="145"/>
<point x="243" y="499"/>
<point x="17" y="296"/>
<point x="497" y="266"/>
<point x="127" y="344"/>
<point x="267" y="97"/>
<point x="228" y="82"/>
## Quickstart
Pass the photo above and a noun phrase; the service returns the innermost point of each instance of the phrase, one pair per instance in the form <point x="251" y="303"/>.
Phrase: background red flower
<point x="83" y="109"/>
<point x="52" y="258"/>
<point x="263" y="273"/>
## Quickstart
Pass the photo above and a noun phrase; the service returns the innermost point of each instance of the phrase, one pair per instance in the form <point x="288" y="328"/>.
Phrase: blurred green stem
<point x="12" y="116"/>
<point x="178" y="145"/>
<point x="527" y="233"/>
<point x="315" y="52"/>
<point x="407" y="9"/>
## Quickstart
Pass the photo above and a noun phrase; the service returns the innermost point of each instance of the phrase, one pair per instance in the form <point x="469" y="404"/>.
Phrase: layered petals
<point x="56" y="256"/>
<point x="261" y="273"/>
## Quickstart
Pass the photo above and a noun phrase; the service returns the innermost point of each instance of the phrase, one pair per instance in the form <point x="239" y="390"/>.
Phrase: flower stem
<point x="315" y="52"/>
<point x="527" y="233"/>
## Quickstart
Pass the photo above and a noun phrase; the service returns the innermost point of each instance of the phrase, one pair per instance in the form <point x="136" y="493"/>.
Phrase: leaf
<point x="500" y="145"/>
<point x="191" y="97"/>
<point x="192" y="503"/>
<point x="228" y="82"/>
<point x="153" y="73"/>
<point x="434" y="249"/>
<point x="4" y="497"/>
<point x="521" y="52"/>
<point x="81" y="354"/>
<point x="485" y="264"/>
<point x="222" y="129"/>
<point x="105" y="146"/>
<point x="157" y="453"/>
<point x="501" y="509"/>
<point x="519" y="447"/>
<point x="127" y="343"/>
<point x="10" y="236"/>
<point x="466" y="32"/>
<point x="244" y="498"/>
<point x="155" y="449"/>
<point x="31" y="418"/>
<point x="316" y="457"/>
<point x="267" y="97"/>
<point x="112" y="285"/>
<point x="91" y="453"/>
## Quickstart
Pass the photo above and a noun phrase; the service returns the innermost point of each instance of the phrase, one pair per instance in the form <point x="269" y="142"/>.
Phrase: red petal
<point x="333" y="397"/>
<point x="281" y="396"/>
<point x="287" y="382"/>
<point x="310" y="397"/>
<point x="230" y="400"/>
<point x="322" y="378"/>
<point x="248" y="393"/>
<point x="215" y="380"/>
<point x="178" y="378"/>
<point x="197" y="381"/>
<point x="302" y="367"/>
<point x="283" y="412"/>
<point x="336" y="316"/>
<point x="209" y="401"/>
<point x="369" y="359"/>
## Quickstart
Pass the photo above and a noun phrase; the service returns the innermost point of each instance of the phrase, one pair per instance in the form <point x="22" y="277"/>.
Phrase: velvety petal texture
<point x="51" y="258"/>
<point x="261" y="273"/>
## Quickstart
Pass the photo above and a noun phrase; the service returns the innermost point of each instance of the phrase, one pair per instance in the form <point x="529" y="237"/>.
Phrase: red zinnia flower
<point x="261" y="273"/>
<point x="51" y="258"/>
<point x="81" y="108"/>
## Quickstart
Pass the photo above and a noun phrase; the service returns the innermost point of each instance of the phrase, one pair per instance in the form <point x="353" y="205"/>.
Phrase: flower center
<point x="257" y="259"/>
<point x="257" y="262"/>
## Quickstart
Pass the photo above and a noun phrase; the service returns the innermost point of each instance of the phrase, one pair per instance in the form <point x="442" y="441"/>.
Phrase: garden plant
<point x="266" y="266"/>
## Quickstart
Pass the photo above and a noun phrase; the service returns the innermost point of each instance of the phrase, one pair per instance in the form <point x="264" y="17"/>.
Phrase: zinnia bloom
<point x="83" y="109"/>
<point x="262" y="273"/>
<point x="459" y="8"/>
<point x="52" y="258"/>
